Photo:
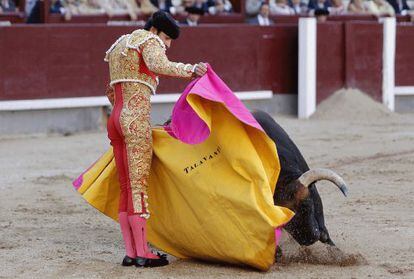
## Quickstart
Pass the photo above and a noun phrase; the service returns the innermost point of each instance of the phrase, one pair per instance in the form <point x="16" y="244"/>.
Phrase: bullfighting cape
<point x="212" y="180"/>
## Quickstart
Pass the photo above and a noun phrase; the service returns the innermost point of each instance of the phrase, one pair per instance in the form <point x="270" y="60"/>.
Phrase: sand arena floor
<point x="48" y="231"/>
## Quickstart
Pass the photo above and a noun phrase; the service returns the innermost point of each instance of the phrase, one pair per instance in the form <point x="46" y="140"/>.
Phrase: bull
<point x="296" y="186"/>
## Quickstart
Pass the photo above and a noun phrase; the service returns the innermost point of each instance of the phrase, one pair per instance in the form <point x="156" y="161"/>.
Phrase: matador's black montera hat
<point x="164" y="22"/>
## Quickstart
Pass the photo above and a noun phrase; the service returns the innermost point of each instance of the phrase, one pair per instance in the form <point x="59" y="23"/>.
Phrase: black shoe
<point x="145" y="262"/>
<point x="128" y="261"/>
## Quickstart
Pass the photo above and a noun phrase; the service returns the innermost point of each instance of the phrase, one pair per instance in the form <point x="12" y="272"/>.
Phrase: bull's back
<point x="291" y="160"/>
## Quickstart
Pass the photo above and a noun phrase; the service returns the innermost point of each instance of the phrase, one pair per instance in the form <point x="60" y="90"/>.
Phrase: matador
<point x="135" y="61"/>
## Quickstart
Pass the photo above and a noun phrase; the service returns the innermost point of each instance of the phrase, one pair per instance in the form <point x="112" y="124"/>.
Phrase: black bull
<point x="296" y="187"/>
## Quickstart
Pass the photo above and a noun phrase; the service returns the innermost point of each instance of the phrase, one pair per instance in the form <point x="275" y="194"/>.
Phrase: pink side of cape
<point x="77" y="183"/>
<point x="187" y="126"/>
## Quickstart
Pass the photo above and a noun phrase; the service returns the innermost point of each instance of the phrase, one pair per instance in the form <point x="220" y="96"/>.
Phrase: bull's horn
<point x="314" y="175"/>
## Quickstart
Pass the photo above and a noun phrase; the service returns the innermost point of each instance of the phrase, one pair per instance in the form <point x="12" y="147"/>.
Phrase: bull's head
<point x="301" y="196"/>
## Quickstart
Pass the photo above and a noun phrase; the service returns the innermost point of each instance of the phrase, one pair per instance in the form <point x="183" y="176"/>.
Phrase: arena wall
<point x="404" y="60"/>
<point x="404" y="69"/>
<point x="364" y="57"/>
<point x="330" y="59"/>
<point x="56" y="61"/>
<point x="52" y="61"/>
<point x="66" y="61"/>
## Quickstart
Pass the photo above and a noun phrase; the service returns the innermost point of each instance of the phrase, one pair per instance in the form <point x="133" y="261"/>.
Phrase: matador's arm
<point x="156" y="60"/>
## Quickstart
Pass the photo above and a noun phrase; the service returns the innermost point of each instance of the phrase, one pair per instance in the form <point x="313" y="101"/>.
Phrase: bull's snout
<point x="311" y="238"/>
<point x="304" y="235"/>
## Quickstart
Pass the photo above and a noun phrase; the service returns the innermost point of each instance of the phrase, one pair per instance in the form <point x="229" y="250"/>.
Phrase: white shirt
<point x="263" y="21"/>
<point x="276" y="9"/>
<point x="337" y="10"/>
<point x="297" y="8"/>
<point x="191" y="23"/>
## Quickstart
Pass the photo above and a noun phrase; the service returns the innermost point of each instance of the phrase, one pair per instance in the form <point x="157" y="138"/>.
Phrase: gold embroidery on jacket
<point x="126" y="68"/>
<point x="124" y="60"/>
<point x="157" y="61"/>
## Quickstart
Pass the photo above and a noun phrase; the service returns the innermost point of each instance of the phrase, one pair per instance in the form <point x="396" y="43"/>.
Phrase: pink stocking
<point x="127" y="234"/>
<point x="139" y="231"/>
<point x="278" y="235"/>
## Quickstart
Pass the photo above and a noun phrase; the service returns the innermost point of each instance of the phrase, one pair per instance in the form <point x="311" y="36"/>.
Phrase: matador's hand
<point x="200" y="69"/>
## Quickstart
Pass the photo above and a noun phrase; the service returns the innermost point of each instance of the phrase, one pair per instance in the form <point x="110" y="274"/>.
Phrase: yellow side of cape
<point x="211" y="201"/>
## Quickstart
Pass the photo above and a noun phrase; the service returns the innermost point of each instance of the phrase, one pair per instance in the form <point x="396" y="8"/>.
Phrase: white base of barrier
<point x="404" y="91"/>
<point x="81" y="102"/>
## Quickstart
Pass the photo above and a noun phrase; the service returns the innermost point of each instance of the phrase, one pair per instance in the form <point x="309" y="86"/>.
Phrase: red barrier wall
<point x="404" y="56"/>
<point x="349" y="54"/>
<point x="245" y="57"/>
<point x="52" y="61"/>
<point x="330" y="59"/>
<point x="364" y="57"/>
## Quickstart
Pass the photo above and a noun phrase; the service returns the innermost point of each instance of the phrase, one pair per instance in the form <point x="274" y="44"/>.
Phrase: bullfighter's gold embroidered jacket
<point x="140" y="57"/>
